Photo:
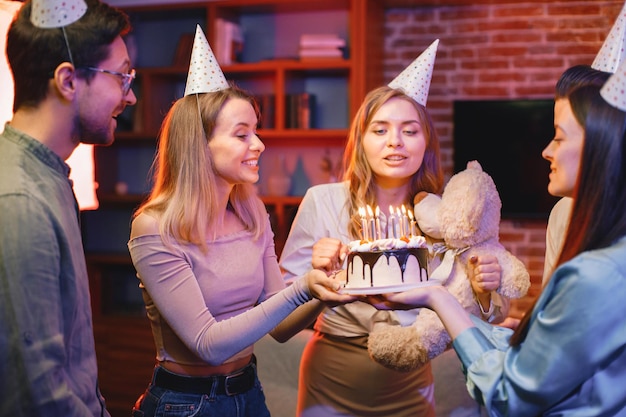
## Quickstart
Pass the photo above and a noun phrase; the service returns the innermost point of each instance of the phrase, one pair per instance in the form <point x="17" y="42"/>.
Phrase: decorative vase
<point x="279" y="181"/>
<point x="300" y="181"/>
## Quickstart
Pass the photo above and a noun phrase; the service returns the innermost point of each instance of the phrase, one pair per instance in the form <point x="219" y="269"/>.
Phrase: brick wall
<point x="493" y="51"/>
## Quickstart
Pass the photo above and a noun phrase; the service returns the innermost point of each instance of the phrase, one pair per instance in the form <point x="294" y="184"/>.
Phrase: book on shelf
<point x="267" y="105"/>
<point x="321" y="53"/>
<point x="321" y="40"/>
<point x="182" y="56"/>
<point x="229" y="41"/>
<point x="300" y="110"/>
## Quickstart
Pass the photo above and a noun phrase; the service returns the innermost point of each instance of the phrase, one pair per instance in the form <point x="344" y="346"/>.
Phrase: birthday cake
<point x="386" y="265"/>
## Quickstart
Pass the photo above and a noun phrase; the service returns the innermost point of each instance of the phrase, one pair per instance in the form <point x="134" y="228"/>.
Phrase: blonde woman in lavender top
<point x="391" y="155"/>
<point x="204" y="253"/>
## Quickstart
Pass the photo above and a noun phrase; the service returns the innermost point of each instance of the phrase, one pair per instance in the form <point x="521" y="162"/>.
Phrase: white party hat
<point x="614" y="90"/>
<point x="613" y="50"/>
<point x="415" y="79"/>
<point x="56" y="13"/>
<point x="205" y="74"/>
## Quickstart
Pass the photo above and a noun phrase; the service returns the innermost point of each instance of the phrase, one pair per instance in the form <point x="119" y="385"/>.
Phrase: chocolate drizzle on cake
<point x="369" y="259"/>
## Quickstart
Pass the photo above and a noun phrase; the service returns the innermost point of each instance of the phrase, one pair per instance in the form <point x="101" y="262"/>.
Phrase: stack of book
<point x="315" y="46"/>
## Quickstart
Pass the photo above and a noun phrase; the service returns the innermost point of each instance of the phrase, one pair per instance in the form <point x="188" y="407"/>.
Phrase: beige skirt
<point x="338" y="378"/>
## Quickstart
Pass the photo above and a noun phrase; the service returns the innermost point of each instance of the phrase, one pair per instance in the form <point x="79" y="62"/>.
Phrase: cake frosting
<point x="387" y="263"/>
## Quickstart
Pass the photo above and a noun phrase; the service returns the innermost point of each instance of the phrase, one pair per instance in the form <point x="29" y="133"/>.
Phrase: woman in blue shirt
<point x="568" y="355"/>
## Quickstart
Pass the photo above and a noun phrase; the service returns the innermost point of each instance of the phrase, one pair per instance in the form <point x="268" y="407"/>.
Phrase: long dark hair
<point x="599" y="212"/>
<point x="579" y="76"/>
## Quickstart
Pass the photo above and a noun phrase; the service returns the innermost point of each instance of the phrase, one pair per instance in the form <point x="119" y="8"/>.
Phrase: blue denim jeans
<point x="161" y="402"/>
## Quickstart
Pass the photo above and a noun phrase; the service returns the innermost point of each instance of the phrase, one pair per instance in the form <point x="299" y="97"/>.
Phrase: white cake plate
<point x="387" y="289"/>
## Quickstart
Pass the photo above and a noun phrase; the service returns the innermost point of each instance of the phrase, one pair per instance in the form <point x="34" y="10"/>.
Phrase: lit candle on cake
<point x="364" y="235"/>
<point x="379" y="232"/>
<point x="411" y="223"/>
<point x="392" y="224"/>
<point x="372" y="224"/>
<point x="405" y="222"/>
<point x="399" y="222"/>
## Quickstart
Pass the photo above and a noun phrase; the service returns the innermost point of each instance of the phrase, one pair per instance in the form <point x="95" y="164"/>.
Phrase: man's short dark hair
<point x="34" y="53"/>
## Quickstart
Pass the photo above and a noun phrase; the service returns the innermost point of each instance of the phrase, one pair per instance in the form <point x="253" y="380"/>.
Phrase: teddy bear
<point x="462" y="223"/>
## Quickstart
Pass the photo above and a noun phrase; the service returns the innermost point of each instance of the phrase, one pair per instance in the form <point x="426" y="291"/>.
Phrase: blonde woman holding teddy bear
<point x="391" y="155"/>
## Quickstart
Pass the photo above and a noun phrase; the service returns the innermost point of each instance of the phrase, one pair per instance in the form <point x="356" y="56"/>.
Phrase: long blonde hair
<point x="184" y="192"/>
<point x="358" y="173"/>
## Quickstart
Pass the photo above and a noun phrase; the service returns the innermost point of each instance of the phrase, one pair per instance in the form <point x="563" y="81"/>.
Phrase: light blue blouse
<point x="573" y="360"/>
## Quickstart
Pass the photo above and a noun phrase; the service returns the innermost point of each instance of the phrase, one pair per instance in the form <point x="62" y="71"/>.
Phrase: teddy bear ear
<point x="474" y="165"/>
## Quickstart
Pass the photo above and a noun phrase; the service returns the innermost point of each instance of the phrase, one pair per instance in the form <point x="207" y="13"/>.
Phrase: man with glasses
<point x="71" y="83"/>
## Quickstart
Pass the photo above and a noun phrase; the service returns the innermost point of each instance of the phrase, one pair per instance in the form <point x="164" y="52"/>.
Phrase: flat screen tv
<point x="507" y="137"/>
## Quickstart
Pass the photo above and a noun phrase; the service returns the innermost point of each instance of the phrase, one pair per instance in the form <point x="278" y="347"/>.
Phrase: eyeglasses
<point x="127" y="79"/>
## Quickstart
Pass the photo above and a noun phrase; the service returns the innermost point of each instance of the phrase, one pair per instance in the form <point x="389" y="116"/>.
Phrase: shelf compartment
<point x="282" y="211"/>
<point x="273" y="30"/>
<point x="157" y="31"/>
<point x="329" y="92"/>
<point x="161" y="90"/>
<point x="127" y="167"/>
<point x="106" y="230"/>
<point x="119" y="292"/>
